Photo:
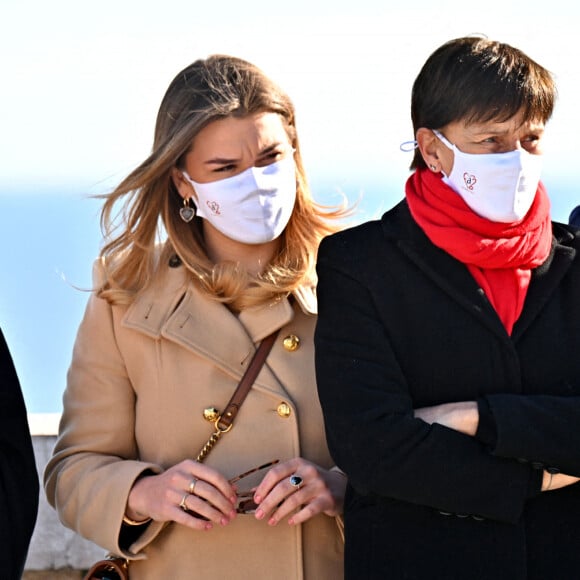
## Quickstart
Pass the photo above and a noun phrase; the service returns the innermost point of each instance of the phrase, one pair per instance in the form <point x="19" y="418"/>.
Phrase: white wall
<point x="53" y="546"/>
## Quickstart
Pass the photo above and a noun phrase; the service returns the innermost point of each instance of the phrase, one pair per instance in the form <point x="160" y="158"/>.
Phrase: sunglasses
<point x="245" y="503"/>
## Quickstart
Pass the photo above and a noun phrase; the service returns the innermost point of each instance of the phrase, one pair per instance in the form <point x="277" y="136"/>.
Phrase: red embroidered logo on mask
<point x="469" y="180"/>
<point x="214" y="207"/>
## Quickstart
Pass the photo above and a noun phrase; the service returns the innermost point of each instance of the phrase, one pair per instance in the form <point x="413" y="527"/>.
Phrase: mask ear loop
<point x="449" y="146"/>
<point x="444" y="140"/>
<point x="408" y="146"/>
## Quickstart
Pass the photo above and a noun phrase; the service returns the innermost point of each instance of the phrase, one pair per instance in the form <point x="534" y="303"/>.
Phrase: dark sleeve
<point x="486" y="430"/>
<point x="19" y="484"/>
<point x="487" y="434"/>
<point x="554" y="440"/>
<point x="539" y="421"/>
<point x="368" y="411"/>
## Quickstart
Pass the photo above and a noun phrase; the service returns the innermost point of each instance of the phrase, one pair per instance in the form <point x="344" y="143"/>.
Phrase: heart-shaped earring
<point x="187" y="212"/>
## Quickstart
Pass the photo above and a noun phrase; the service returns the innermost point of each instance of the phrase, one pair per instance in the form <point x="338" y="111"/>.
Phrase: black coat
<point x="403" y="325"/>
<point x="19" y="483"/>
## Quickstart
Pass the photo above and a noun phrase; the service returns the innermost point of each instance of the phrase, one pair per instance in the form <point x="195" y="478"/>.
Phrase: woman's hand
<point x="463" y="417"/>
<point x="320" y="491"/>
<point x="207" y="495"/>
<point x="552" y="481"/>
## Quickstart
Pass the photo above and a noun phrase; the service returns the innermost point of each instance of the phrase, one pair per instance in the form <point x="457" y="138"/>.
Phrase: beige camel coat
<point x="139" y="381"/>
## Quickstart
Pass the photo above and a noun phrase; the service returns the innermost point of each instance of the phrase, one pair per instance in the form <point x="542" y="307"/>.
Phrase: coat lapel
<point x="177" y="311"/>
<point x="262" y="321"/>
<point x="446" y="272"/>
<point x="209" y="329"/>
<point x="543" y="285"/>
<point x="455" y="279"/>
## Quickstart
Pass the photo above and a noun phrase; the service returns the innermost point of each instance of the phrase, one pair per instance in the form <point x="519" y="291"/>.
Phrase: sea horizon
<point x="50" y="240"/>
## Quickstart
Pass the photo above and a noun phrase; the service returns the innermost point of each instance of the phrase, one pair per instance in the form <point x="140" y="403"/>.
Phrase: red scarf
<point x="498" y="255"/>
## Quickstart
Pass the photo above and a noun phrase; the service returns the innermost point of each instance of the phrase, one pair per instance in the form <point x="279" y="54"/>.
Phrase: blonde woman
<point x="169" y="332"/>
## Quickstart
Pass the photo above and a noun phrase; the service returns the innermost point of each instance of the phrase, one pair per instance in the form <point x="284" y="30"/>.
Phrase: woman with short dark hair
<point x="448" y="341"/>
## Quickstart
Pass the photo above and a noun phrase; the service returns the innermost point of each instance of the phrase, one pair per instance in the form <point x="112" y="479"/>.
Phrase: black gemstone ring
<point x="295" y="480"/>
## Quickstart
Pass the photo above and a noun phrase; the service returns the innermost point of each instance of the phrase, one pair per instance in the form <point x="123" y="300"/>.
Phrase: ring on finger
<point x="183" y="503"/>
<point x="295" y="481"/>
<point x="191" y="488"/>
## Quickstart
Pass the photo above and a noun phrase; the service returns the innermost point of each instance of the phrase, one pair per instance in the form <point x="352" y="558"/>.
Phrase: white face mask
<point x="252" y="207"/>
<point x="498" y="186"/>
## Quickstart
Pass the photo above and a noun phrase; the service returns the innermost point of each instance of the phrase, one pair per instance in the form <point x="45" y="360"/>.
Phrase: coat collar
<point x="175" y="309"/>
<point x="455" y="279"/>
<point x="547" y="277"/>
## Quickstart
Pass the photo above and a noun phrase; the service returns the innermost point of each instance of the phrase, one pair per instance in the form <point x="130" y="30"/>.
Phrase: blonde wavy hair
<point x="205" y="91"/>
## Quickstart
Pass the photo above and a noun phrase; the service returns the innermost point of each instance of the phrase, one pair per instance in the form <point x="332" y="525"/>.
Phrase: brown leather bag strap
<point x="225" y="421"/>
<point x="240" y="394"/>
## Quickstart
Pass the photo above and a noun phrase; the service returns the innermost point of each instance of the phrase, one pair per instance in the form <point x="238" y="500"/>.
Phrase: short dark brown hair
<point x="474" y="79"/>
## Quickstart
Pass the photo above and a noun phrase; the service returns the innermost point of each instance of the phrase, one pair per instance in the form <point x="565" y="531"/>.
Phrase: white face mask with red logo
<point x="500" y="187"/>
<point x="252" y="207"/>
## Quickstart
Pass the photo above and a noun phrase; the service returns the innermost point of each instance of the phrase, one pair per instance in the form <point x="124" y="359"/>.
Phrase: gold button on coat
<point x="211" y="414"/>
<point x="291" y="342"/>
<point x="284" y="410"/>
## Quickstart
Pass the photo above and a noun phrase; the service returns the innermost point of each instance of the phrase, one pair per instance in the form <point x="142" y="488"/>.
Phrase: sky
<point x="82" y="83"/>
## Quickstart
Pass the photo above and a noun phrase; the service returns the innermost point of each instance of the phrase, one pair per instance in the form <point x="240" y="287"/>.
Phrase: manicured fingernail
<point x="232" y="514"/>
<point x="290" y="522"/>
<point x="272" y="522"/>
<point x="208" y="527"/>
<point x="257" y="499"/>
<point x="259" y="514"/>
<point x="224" y="521"/>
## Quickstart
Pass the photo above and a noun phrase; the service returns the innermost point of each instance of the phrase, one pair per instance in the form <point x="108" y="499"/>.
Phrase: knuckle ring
<point x="191" y="488"/>
<point x="183" y="503"/>
<point x="295" y="481"/>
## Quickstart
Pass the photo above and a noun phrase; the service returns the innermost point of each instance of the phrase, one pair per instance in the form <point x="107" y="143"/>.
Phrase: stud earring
<point x="187" y="212"/>
<point x="433" y="167"/>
